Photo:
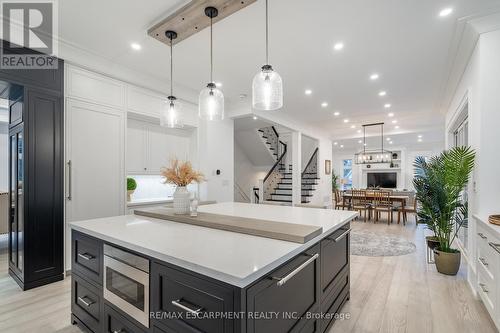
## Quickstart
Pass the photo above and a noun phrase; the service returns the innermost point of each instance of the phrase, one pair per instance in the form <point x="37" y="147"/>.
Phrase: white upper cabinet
<point x="150" y="147"/>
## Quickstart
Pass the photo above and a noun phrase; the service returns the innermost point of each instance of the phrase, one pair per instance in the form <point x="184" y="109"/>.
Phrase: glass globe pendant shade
<point x="211" y="103"/>
<point x="267" y="90"/>
<point x="170" y="114"/>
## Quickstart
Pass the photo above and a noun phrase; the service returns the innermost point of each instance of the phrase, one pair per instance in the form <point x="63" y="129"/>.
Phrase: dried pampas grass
<point x="181" y="173"/>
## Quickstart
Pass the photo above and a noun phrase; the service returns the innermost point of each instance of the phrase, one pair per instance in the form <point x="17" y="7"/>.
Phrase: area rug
<point x="369" y="244"/>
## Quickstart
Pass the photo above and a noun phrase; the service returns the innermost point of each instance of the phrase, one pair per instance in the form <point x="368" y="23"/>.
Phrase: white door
<point x="136" y="147"/>
<point x="95" y="150"/>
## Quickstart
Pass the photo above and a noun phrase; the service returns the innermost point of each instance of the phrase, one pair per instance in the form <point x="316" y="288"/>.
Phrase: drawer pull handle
<point x="120" y="331"/>
<point x="495" y="247"/>
<point x="480" y="234"/>
<point x="483" y="287"/>
<point x="85" y="256"/>
<point x="87" y="304"/>
<point x="283" y="280"/>
<point x="178" y="304"/>
<point x="483" y="261"/>
<point x="341" y="236"/>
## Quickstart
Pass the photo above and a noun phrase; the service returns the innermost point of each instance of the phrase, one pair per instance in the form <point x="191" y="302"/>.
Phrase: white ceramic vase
<point x="182" y="200"/>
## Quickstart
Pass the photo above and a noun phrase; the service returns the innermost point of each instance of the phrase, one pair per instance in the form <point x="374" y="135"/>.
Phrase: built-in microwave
<point x="126" y="283"/>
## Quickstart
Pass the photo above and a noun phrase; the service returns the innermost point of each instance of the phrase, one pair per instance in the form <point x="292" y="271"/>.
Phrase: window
<point x="461" y="138"/>
<point x="347" y="175"/>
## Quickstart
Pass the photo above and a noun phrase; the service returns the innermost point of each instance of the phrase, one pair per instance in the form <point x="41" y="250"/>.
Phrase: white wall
<point x="216" y="152"/>
<point x="480" y="87"/>
<point x="246" y="175"/>
<point x="309" y="145"/>
<point x="4" y="156"/>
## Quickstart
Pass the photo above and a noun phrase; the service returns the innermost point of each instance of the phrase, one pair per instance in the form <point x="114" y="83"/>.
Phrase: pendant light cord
<point x="171" y="68"/>
<point x="211" y="50"/>
<point x="267" y="33"/>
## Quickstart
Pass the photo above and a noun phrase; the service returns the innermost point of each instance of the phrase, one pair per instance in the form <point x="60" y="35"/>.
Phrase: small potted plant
<point x="440" y="183"/>
<point x="131" y="186"/>
<point x="181" y="174"/>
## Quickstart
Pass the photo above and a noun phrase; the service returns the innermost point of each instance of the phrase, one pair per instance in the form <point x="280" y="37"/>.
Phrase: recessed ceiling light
<point x="445" y="12"/>
<point x="308" y="92"/>
<point x="336" y="114"/>
<point x="382" y="93"/>
<point x="136" y="46"/>
<point x="324" y="104"/>
<point x="420" y="136"/>
<point x="341" y="146"/>
<point x="394" y="121"/>
<point x="335" y="143"/>
<point x="359" y="131"/>
<point x="391" y="114"/>
<point x="390" y="142"/>
<point x="419" y="140"/>
<point x="346" y="120"/>
<point x="388" y="139"/>
<point x="360" y="141"/>
<point x="396" y="127"/>
<point x="387" y="106"/>
<point x="338" y="46"/>
<point x="353" y="126"/>
<point x="374" y="76"/>
<point x="218" y="84"/>
<point x="255" y="118"/>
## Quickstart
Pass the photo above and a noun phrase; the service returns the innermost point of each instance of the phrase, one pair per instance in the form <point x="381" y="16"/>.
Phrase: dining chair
<point x="360" y="203"/>
<point x="382" y="203"/>
<point x="339" y="201"/>
<point x="410" y="208"/>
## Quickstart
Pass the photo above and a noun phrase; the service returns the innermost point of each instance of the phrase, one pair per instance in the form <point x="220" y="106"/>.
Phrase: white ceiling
<point x="406" y="42"/>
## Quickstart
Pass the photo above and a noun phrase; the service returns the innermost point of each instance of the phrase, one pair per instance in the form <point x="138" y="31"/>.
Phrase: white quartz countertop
<point x="234" y="258"/>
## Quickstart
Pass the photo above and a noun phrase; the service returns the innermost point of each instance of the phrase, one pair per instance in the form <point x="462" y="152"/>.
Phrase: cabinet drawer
<point x="487" y="291"/>
<point x="115" y="322"/>
<point x="86" y="302"/>
<point x="87" y="257"/>
<point x="190" y="296"/>
<point x="334" y="257"/>
<point x="333" y="302"/>
<point x="291" y="289"/>
<point x="311" y="327"/>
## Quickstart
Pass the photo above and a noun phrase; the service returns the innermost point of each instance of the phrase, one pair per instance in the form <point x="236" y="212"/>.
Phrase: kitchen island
<point x="139" y="274"/>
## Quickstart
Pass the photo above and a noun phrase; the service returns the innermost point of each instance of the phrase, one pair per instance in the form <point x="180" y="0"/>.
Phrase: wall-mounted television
<point x="382" y="179"/>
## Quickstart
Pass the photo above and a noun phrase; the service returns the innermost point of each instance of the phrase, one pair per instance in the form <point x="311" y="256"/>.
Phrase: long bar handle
<point x="341" y="236"/>
<point x="483" y="287"/>
<point x="283" y="280"/>
<point x="187" y="309"/>
<point x="86" y="256"/>
<point x="495" y="247"/>
<point x="483" y="261"/>
<point x="87" y="304"/>
<point x="480" y="234"/>
<point x="70" y="185"/>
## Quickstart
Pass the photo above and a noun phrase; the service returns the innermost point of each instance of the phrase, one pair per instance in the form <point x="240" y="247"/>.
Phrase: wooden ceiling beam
<point x="191" y="18"/>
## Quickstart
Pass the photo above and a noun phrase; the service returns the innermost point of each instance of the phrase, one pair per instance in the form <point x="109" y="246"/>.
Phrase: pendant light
<point x="170" y="114"/>
<point x="267" y="86"/>
<point x="211" y="101"/>
<point x="373" y="156"/>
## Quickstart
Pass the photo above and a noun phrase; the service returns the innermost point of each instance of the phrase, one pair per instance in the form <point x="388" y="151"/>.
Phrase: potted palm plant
<point x="440" y="183"/>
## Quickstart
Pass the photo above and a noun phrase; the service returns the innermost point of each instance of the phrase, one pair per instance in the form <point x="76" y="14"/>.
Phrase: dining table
<point x="370" y="195"/>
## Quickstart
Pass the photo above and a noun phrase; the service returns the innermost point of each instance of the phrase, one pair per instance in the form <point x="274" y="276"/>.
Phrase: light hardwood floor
<point x="388" y="294"/>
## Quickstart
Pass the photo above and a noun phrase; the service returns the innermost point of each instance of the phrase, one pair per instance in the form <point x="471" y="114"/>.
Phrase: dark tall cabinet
<point x="36" y="190"/>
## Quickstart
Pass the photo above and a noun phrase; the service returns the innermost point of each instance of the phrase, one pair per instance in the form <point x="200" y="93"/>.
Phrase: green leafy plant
<point x="439" y="184"/>
<point x="335" y="181"/>
<point x="131" y="184"/>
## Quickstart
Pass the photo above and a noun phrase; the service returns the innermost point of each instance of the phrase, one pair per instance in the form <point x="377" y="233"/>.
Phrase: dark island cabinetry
<point x="302" y="295"/>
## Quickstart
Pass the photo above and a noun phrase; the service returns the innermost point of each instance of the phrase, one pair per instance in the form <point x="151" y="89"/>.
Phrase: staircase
<point x="278" y="182"/>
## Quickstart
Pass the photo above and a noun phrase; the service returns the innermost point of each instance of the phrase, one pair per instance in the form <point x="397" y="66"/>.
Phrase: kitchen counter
<point x="233" y="258"/>
<point x="149" y="201"/>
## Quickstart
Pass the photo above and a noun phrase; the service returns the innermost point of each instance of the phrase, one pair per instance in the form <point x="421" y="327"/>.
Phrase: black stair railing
<point x="311" y="169"/>
<point x="275" y="174"/>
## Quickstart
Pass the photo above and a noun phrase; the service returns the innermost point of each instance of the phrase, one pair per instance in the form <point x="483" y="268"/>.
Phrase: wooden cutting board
<point x="290" y="232"/>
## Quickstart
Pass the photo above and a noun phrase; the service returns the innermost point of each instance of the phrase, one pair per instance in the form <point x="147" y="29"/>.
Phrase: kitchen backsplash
<point x="152" y="187"/>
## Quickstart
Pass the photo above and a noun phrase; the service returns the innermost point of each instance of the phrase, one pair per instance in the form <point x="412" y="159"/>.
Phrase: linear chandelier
<point x="372" y="156"/>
